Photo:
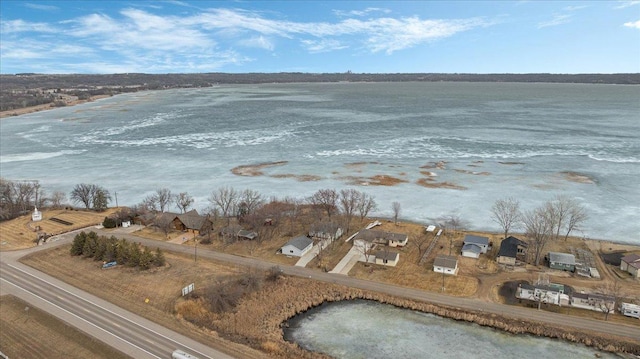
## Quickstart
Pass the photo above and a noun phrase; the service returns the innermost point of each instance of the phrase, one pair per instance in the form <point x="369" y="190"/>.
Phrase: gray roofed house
<point x="471" y="250"/>
<point x="297" y="246"/>
<point x="446" y="264"/>
<point x="562" y="261"/>
<point x="482" y="242"/>
<point x="326" y="230"/>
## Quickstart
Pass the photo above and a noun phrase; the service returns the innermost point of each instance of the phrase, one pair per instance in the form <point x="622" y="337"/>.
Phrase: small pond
<point x="368" y="329"/>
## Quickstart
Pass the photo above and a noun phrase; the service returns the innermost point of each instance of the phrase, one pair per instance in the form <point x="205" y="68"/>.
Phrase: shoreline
<point x="45" y="107"/>
<point x="503" y="323"/>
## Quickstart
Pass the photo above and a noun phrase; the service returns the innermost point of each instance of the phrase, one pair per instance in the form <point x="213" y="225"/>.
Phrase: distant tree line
<point x="24" y="90"/>
<point x="109" y="249"/>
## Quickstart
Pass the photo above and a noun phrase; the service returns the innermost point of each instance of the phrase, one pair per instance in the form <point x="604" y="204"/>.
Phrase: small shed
<point x="387" y="258"/>
<point x="562" y="261"/>
<point x="471" y="250"/>
<point x="446" y="264"/>
<point x="298" y="246"/>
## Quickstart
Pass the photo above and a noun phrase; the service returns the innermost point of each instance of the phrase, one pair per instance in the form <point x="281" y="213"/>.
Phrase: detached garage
<point x="297" y="246"/>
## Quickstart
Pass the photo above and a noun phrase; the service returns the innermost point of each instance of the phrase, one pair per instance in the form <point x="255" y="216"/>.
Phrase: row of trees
<point x="19" y="197"/>
<point x="553" y="220"/>
<point x="109" y="249"/>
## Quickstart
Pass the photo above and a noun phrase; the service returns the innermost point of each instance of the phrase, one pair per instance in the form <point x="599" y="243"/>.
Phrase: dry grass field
<point x="22" y="232"/>
<point x="32" y="333"/>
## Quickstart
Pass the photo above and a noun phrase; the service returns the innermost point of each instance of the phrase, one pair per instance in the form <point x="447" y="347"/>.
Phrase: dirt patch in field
<point x="377" y="180"/>
<point x="255" y="170"/>
<point x="441" y="165"/>
<point x="36" y="334"/>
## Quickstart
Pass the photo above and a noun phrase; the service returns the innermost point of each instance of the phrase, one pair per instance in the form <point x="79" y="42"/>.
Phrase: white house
<point x="551" y="294"/>
<point x="298" y="246"/>
<point x="387" y="258"/>
<point x="591" y="301"/>
<point x="326" y="230"/>
<point x="473" y="246"/>
<point x="446" y="264"/>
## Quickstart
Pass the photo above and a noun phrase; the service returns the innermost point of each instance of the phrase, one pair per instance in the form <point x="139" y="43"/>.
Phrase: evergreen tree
<point x="78" y="244"/>
<point x="90" y="246"/>
<point x="134" y="255"/>
<point x="146" y="259"/>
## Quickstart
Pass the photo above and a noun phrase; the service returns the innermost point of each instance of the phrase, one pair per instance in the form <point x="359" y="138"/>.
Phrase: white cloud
<point x="558" y="19"/>
<point x="41" y="7"/>
<point x="626" y="4"/>
<point x="260" y="42"/>
<point x="318" y="46"/>
<point x="633" y="24"/>
<point x="13" y="26"/>
<point x="364" y="12"/>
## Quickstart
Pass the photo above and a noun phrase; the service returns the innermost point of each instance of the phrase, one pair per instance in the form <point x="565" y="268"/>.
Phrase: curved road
<point x="141" y="338"/>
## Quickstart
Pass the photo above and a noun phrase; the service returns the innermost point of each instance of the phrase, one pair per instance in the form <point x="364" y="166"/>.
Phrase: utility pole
<point x="116" y="195"/>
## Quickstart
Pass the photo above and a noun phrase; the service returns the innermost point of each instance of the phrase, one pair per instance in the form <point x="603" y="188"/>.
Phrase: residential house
<point x="630" y="310"/>
<point x="551" y="293"/>
<point x="446" y="264"/>
<point x="237" y="232"/>
<point x="326" y="230"/>
<point x="381" y="237"/>
<point x="473" y="246"/>
<point x="562" y="261"/>
<point x="192" y="221"/>
<point x="298" y="246"/>
<point x="511" y="250"/>
<point x="591" y="301"/>
<point x="631" y="264"/>
<point x="387" y="258"/>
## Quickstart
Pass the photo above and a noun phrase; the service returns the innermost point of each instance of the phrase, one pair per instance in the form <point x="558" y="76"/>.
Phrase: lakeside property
<point x="481" y="278"/>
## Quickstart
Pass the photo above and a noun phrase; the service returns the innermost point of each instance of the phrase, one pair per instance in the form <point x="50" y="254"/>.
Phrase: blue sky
<point x="319" y="36"/>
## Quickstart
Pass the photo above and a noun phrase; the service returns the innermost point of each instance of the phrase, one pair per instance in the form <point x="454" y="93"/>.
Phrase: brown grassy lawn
<point x="35" y="334"/>
<point x="21" y="232"/>
<point x="129" y="288"/>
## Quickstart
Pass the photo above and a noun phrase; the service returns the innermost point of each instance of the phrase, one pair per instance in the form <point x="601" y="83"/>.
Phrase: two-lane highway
<point x="128" y="332"/>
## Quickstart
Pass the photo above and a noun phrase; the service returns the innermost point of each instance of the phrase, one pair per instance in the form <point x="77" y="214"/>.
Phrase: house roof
<point x="371" y="235"/>
<point x="481" y="241"/>
<point x="632" y="259"/>
<point x="192" y="220"/>
<point x="509" y="247"/>
<point x="390" y="256"/>
<point x="562" y="258"/>
<point x="300" y="242"/>
<point x="470" y="247"/>
<point x="324" y="227"/>
<point x="247" y="234"/>
<point x="446" y="261"/>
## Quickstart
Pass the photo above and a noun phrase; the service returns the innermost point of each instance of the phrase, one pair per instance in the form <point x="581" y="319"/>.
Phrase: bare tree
<point x="16" y="197"/>
<point x="101" y="199"/>
<point x="538" y="226"/>
<point x="249" y="201"/>
<point x="611" y="294"/>
<point x="57" y="198"/>
<point x="326" y="200"/>
<point x="395" y="207"/>
<point x="577" y="215"/>
<point x="366" y="205"/>
<point x="183" y="201"/>
<point x="164" y="223"/>
<point x="83" y="193"/>
<point x="506" y="213"/>
<point x="150" y="203"/>
<point x="349" y="200"/>
<point x="225" y="198"/>
<point x="163" y="198"/>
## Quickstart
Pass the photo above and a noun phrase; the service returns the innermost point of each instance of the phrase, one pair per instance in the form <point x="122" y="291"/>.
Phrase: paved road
<point x="149" y="340"/>
<point x="129" y="333"/>
<point x="555" y="319"/>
